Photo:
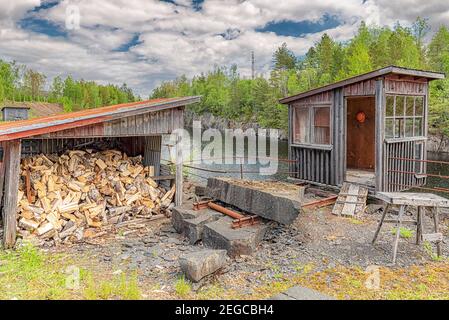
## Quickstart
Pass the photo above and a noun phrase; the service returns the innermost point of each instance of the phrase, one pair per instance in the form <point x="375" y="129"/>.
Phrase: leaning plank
<point x="12" y="172"/>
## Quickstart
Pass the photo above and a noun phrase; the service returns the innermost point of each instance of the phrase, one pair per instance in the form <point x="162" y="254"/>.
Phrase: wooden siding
<point x="152" y="153"/>
<point x="321" y="98"/>
<point x="405" y="86"/>
<point x="397" y="181"/>
<point x="363" y="88"/>
<point x="312" y="164"/>
<point x="151" y="123"/>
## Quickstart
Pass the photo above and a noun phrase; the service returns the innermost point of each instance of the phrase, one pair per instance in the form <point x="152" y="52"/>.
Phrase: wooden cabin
<point x="370" y="129"/>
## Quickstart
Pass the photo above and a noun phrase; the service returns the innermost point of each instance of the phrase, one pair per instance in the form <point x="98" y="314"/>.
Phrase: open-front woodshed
<point x="136" y="127"/>
<point x="370" y="129"/>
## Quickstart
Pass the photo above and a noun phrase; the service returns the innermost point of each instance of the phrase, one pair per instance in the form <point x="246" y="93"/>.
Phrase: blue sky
<point x="144" y="42"/>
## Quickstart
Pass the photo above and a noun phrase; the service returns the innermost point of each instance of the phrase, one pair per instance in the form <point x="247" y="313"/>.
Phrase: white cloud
<point x="175" y="39"/>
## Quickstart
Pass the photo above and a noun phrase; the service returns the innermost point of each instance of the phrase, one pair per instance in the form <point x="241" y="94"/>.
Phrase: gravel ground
<point x="316" y="238"/>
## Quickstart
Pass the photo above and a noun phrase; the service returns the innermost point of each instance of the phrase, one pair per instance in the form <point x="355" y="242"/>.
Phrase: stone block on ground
<point x="181" y="213"/>
<point x="282" y="206"/>
<point x="200" y="264"/>
<point x="301" y="293"/>
<point x="193" y="228"/>
<point x="241" y="241"/>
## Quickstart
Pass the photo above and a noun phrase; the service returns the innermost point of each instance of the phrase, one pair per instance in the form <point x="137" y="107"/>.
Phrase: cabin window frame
<point x="397" y="120"/>
<point x="310" y="135"/>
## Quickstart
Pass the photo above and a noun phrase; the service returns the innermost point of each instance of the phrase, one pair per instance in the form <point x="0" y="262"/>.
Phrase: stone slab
<point x="265" y="204"/>
<point x="193" y="228"/>
<point x="242" y="241"/>
<point x="301" y="293"/>
<point x="181" y="213"/>
<point x="200" y="264"/>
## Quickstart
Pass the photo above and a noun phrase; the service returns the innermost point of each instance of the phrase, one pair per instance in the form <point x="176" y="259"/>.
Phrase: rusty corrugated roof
<point x="26" y="128"/>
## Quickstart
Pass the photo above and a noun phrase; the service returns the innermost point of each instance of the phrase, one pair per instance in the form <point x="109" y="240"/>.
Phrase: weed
<point x="182" y="287"/>
<point x="403" y="232"/>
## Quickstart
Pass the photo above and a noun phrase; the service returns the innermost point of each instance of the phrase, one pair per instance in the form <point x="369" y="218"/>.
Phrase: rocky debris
<point x="198" y="265"/>
<point x="72" y="196"/>
<point x="301" y="293"/>
<point x="241" y="241"/>
<point x="277" y="201"/>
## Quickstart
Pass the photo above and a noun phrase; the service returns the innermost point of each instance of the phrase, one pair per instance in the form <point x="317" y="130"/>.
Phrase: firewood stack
<point x="61" y="198"/>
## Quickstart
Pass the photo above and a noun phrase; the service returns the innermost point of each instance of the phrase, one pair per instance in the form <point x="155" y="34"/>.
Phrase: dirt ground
<point x="331" y="254"/>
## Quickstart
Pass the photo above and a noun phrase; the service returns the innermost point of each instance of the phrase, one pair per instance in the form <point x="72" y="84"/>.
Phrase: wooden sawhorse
<point x="420" y="200"/>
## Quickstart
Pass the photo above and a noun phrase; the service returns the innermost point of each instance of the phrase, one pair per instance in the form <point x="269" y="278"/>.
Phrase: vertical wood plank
<point x="2" y="173"/>
<point x="12" y="171"/>
<point x="179" y="177"/>
<point x="379" y="136"/>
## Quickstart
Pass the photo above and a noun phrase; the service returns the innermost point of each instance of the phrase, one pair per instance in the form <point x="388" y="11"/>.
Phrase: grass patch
<point x="29" y="273"/>
<point x="403" y="232"/>
<point x="120" y="287"/>
<point x="182" y="287"/>
<point x="426" y="282"/>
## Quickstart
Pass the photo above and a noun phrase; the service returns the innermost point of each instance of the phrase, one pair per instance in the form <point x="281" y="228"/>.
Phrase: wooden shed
<point x="137" y="127"/>
<point x="370" y="129"/>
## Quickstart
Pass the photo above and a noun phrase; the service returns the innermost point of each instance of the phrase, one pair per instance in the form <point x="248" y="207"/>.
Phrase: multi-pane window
<point x="418" y="155"/>
<point x="311" y="125"/>
<point x="404" y="116"/>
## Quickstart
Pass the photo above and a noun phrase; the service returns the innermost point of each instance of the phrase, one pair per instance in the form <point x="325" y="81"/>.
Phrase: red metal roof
<point x="26" y="128"/>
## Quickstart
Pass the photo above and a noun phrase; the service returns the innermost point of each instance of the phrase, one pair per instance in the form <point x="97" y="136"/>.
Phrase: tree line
<point x="227" y="94"/>
<point x="19" y="83"/>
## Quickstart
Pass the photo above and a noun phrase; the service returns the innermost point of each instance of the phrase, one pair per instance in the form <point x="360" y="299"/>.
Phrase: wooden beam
<point x="12" y="152"/>
<point x="381" y="176"/>
<point x="2" y="171"/>
<point x="179" y="167"/>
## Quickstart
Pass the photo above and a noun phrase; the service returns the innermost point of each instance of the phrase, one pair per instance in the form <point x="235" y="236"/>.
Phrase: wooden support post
<point x="12" y="152"/>
<point x="384" y="214"/>
<point x="436" y="222"/>
<point x="2" y="172"/>
<point x="419" y="224"/>
<point x="398" y="233"/>
<point x="179" y="167"/>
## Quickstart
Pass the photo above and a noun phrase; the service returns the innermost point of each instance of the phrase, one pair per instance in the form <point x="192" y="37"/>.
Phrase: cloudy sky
<point x="143" y="42"/>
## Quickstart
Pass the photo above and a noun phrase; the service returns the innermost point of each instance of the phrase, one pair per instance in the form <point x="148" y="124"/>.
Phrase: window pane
<point x="301" y="125"/>
<point x="390" y="105"/>
<point x="409" y="106"/>
<point x="418" y="156"/>
<point x="399" y="128"/>
<point x="321" y="125"/>
<point x="388" y="128"/>
<point x="400" y="106"/>
<point x="409" y="127"/>
<point x="418" y="126"/>
<point x="419" y="106"/>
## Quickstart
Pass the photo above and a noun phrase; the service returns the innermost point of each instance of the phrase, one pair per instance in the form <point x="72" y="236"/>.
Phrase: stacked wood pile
<point x="66" y="198"/>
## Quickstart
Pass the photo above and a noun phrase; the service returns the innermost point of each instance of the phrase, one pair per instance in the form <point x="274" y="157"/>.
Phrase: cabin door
<point x="360" y="140"/>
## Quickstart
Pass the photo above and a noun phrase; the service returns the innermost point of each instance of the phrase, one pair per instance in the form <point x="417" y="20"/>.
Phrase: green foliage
<point x="18" y="83"/>
<point x="403" y="232"/>
<point x="182" y="287"/>
<point x="225" y="94"/>
<point x="121" y="287"/>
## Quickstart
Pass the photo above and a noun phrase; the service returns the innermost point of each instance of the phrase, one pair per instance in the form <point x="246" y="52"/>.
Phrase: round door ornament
<point x="360" y="116"/>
